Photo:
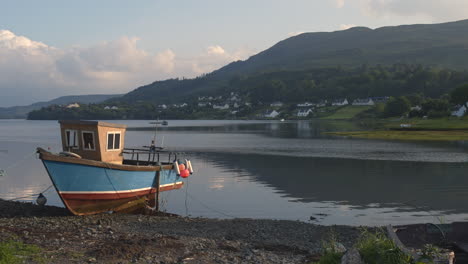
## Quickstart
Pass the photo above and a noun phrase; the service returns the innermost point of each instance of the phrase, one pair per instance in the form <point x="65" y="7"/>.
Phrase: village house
<point x="111" y="107"/>
<point x="276" y="104"/>
<point x="459" y="111"/>
<point x="304" y="112"/>
<point x="322" y="103"/>
<point x="204" y="104"/>
<point x="381" y="99"/>
<point x="74" y="105"/>
<point x="340" y="102"/>
<point x="366" y="101"/>
<point x="306" y="104"/>
<point x="221" y="107"/>
<point x="271" y="114"/>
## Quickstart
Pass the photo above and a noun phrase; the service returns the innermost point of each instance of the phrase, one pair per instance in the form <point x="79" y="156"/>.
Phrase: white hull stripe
<point x="126" y="191"/>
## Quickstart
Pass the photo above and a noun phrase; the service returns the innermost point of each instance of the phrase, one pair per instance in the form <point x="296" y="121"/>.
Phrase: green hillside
<point x="438" y="46"/>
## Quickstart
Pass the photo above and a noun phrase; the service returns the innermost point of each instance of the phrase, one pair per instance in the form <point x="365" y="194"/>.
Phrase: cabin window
<point x="71" y="138"/>
<point x="113" y="141"/>
<point x="88" y="140"/>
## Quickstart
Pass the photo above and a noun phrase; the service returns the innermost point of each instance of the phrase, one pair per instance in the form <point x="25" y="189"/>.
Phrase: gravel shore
<point x="165" y="238"/>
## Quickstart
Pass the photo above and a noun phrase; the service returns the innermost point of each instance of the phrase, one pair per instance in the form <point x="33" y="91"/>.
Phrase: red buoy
<point x="184" y="173"/>
<point x="181" y="167"/>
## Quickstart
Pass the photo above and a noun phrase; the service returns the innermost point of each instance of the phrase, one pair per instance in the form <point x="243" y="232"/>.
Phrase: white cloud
<point x="346" y="26"/>
<point x="340" y="3"/>
<point x="31" y="71"/>
<point x="216" y="57"/>
<point x="427" y="10"/>
<point x="295" y="33"/>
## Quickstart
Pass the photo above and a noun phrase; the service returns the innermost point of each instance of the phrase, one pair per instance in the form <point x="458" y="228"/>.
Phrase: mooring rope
<point x="31" y="195"/>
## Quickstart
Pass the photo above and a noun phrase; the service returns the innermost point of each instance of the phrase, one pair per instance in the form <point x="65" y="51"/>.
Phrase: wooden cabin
<point x="94" y="140"/>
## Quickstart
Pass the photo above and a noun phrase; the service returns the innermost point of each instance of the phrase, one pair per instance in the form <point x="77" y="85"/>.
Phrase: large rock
<point x="352" y="256"/>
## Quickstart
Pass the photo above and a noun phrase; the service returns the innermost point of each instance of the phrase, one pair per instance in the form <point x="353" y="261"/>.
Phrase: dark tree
<point x="460" y="95"/>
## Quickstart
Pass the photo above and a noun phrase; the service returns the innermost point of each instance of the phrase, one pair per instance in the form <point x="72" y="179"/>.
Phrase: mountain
<point x="22" y="111"/>
<point x="436" y="45"/>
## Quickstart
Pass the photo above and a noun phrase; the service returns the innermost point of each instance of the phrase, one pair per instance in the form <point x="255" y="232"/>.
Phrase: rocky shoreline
<point x="163" y="238"/>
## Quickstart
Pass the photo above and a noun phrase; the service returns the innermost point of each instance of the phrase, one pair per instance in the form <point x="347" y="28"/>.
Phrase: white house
<point x="367" y="101"/>
<point x="271" y="114"/>
<point x="163" y="106"/>
<point x="276" y="104"/>
<point x="459" y="111"/>
<point x="107" y="107"/>
<point x="203" y="104"/>
<point x="74" y="105"/>
<point x="321" y="103"/>
<point x="221" y="107"/>
<point x="416" y="108"/>
<point x="304" y="112"/>
<point x="306" y="104"/>
<point x="340" y="102"/>
<point x="114" y="107"/>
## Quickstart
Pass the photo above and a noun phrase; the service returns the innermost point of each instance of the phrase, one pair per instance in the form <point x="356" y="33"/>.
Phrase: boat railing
<point x="149" y="155"/>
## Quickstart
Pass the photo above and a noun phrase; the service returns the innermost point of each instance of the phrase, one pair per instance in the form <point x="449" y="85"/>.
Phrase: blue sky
<point x="57" y="48"/>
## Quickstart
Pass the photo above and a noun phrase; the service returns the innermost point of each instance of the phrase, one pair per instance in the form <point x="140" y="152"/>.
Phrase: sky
<point x="52" y="48"/>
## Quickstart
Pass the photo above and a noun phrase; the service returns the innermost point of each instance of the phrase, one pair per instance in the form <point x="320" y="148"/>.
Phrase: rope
<point x="210" y="208"/>
<point x="31" y="195"/>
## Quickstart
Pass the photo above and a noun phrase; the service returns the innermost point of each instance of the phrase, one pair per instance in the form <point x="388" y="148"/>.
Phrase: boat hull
<point x="89" y="189"/>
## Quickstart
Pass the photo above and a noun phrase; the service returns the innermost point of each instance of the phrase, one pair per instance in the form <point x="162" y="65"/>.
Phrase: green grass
<point x="12" y="252"/>
<point x="377" y="248"/>
<point x="449" y="123"/>
<point x="424" y="135"/>
<point x="347" y="112"/>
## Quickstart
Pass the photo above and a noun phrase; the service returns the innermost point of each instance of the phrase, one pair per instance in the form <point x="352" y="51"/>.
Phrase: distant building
<point x="304" y="112"/>
<point x="271" y="114"/>
<point x="163" y="106"/>
<point x="114" y="107"/>
<point x="459" y="111"/>
<point x="340" y="102"/>
<point x="276" y="104"/>
<point x="74" y="105"/>
<point x="381" y="99"/>
<point x="221" y="107"/>
<point x="321" y="103"/>
<point x="367" y="101"/>
<point x="203" y="104"/>
<point x="107" y="108"/>
<point x="306" y="104"/>
<point x="416" y="108"/>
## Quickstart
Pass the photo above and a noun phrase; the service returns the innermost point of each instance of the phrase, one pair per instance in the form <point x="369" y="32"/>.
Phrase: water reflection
<point x="406" y="186"/>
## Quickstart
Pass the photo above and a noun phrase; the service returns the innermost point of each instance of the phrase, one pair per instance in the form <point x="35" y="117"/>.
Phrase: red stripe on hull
<point x="92" y="203"/>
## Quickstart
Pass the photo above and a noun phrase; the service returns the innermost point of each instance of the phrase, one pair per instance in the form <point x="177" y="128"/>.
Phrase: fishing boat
<point x="95" y="173"/>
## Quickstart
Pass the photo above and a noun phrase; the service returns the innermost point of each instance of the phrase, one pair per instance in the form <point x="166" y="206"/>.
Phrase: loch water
<point x="276" y="170"/>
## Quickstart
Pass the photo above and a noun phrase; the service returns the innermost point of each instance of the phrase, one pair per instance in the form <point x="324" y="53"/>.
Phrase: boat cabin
<point x="94" y="140"/>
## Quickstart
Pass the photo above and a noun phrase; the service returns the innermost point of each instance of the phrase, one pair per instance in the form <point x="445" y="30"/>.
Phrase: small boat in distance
<point x="96" y="174"/>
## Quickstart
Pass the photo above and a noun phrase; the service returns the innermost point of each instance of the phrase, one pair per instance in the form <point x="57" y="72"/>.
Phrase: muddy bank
<point x="117" y="238"/>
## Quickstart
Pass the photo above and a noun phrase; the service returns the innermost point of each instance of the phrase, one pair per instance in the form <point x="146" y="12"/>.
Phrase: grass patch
<point x="12" y="252"/>
<point x="423" y="135"/>
<point x="449" y="123"/>
<point x="347" y="112"/>
<point x="377" y="248"/>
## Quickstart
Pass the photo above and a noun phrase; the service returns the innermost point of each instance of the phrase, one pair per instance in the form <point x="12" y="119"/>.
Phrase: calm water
<point x="278" y="170"/>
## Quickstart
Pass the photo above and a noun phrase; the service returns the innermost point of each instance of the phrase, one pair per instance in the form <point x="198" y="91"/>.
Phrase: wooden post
<point x="158" y="179"/>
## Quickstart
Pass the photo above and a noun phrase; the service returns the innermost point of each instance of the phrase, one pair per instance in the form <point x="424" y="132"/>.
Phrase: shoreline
<point x="166" y="238"/>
